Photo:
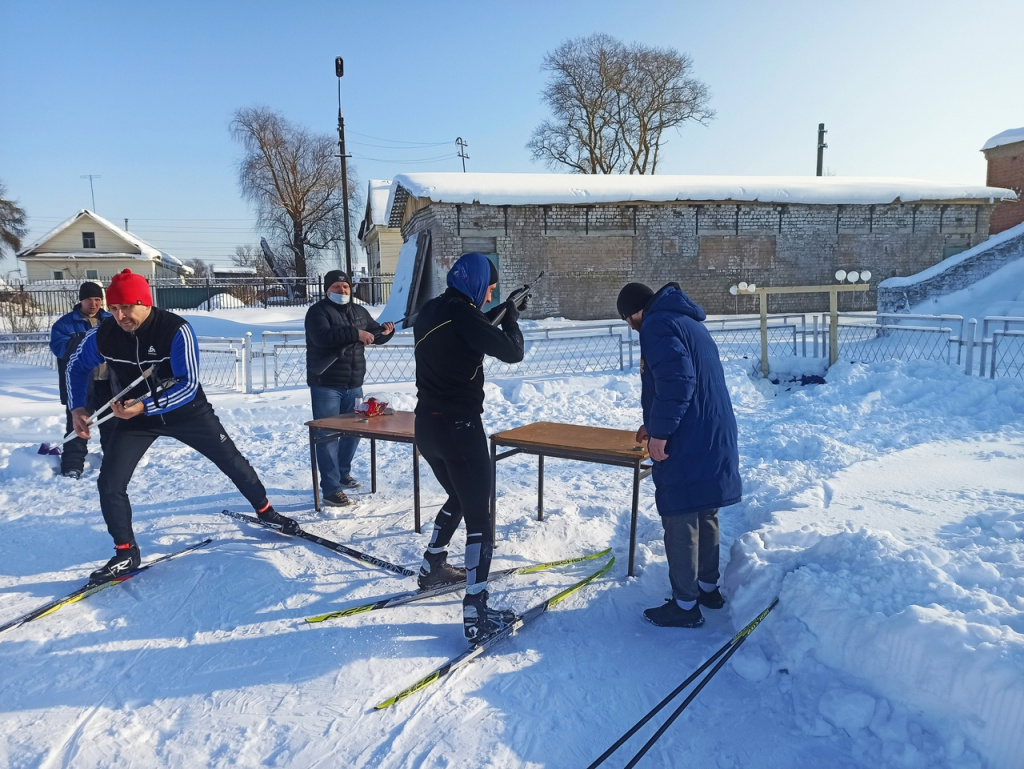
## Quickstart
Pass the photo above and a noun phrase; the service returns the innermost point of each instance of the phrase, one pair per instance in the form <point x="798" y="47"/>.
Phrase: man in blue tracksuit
<point x="170" y="403"/>
<point x="690" y="432"/>
<point x="65" y="336"/>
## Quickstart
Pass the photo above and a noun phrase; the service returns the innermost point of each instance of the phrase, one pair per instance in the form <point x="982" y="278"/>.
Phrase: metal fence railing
<point x="279" y="358"/>
<point x="44" y="301"/>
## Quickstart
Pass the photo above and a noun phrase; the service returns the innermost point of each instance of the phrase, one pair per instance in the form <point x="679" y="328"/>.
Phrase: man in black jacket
<point x="337" y="330"/>
<point x="138" y="336"/>
<point x="452" y="337"/>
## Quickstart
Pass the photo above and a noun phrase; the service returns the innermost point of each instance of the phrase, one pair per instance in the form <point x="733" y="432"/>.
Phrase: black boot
<point x="277" y="521"/>
<point x="126" y="560"/>
<point x="435" y="570"/>
<point x="479" y="621"/>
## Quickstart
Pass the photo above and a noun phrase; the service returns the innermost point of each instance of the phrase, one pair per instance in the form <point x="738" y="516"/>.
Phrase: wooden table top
<point x="401" y="425"/>
<point x="564" y="437"/>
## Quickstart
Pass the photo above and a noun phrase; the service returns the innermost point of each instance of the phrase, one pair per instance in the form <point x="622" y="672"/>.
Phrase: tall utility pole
<point x="90" y="177"/>
<point x="339" y="70"/>
<point x="462" y="152"/>
<point x="821" y="145"/>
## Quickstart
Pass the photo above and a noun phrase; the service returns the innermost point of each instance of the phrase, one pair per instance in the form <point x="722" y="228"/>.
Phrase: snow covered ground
<point x="883" y="508"/>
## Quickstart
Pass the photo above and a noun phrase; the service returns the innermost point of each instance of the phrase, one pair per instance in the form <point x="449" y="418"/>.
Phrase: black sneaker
<point x="712" y="600"/>
<point x="480" y="622"/>
<point x="74" y="474"/>
<point x="435" y="570"/>
<point x="275" y="520"/>
<point x="337" y="499"/>
<point x="670" y="615"/>
<point x="348" y="482"/>
<point x="125" y="561"/>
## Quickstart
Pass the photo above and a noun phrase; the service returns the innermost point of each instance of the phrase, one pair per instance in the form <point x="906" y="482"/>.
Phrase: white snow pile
<point x="883" y="508"/>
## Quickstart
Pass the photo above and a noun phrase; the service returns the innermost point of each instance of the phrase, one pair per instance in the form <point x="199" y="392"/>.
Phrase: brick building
<point x="1004" y="153"/>
<point x="592" y="234"/>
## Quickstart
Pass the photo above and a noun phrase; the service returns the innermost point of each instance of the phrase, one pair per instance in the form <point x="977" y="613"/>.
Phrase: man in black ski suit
<point x="452" y="337"/>
<point x="170" y="403"/>
<point x="337" y="331"/>
<point x="65" y="336"/>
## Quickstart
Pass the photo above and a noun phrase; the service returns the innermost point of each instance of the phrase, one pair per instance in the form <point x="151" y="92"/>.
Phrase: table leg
<point x="416" y="487"/>
<point x="312" y="464"/>
<point x="494" y="491"/>
<point x="540" y="487"/>
<point x="632" y="523"/>
<point x="373" y="465"/>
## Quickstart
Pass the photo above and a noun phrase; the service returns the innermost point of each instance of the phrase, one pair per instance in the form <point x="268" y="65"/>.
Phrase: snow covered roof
<point x="579" y="189"/>
<point x="1012" y="136"/>
<point x="377" y="197"/>
<point x="146" y="251"/>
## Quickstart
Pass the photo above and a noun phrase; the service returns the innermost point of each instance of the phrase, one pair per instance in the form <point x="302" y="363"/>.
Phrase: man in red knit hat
<point x="138" y="336"/>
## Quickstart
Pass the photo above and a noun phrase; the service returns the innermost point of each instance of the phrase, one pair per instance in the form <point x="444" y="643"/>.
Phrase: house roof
<point x="147" y="252"/>
<point x="587" y="189"/>
<point x="1012" y="136"/>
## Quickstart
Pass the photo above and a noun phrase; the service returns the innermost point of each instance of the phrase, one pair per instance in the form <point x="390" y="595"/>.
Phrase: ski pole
<point x="47" y="448"/>
<point x="728" y="649"/>
<point x="159" y="389"/>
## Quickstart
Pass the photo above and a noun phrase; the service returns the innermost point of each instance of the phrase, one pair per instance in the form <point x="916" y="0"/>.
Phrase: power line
<point x="399" y="141"/>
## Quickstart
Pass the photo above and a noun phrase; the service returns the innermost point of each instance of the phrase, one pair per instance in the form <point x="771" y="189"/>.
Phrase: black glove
<point x="511" y="311"/>
<point x="523" y="301"/>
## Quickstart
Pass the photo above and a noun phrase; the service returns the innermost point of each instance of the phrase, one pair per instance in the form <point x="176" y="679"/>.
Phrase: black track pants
<point x="202" y="431"/>
<point x="456" y="450"/>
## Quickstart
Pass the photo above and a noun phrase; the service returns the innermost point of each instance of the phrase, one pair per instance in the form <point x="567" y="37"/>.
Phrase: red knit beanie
<point x="129" y="288"/>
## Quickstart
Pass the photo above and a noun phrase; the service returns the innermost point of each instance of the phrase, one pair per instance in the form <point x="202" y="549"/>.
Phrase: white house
<point x="88" y="247"/>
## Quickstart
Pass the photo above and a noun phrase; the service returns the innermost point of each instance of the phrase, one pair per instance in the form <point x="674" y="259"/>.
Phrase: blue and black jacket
<point x="65" y="336"/>
<point x="163" y="340"/>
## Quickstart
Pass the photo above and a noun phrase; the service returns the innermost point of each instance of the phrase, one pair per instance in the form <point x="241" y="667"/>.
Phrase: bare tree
<point x="294" y="179"/>
<point x="200" y="269"/>
<point x="612" y="105"/>
<point x="12" y="223"/>
<point x="253" y="256"/>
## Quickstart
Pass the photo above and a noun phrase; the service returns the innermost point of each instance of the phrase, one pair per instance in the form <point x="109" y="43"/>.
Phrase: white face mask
<point x="339" y="298"/>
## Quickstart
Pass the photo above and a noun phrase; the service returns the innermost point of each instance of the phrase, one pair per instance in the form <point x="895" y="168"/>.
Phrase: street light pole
<point x="339" y="70"/>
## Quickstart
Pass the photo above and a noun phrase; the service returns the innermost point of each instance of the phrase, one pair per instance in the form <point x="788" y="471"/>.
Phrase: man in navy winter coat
<point x="690" y="432"/>
<point x="65" y="336"/>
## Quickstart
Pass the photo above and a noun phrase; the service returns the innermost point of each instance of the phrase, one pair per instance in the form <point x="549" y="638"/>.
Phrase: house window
<point x="88" y="240"/>
<point x="58" y="275"/>
<point x="92" y="274"/>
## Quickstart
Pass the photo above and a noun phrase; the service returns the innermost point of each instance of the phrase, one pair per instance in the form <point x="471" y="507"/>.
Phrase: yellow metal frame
<point x="833" y="311"/>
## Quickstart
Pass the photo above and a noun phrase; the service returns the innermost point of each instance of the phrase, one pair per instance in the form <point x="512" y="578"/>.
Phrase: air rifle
<point x="518" y="298"/>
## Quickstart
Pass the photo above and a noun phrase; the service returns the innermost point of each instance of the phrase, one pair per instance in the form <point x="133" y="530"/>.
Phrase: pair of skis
<point x="92" y="588"/>
<point x="478" y="648"/>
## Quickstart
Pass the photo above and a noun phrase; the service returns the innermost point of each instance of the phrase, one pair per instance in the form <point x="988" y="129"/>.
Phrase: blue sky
<point x="141" y="94"/>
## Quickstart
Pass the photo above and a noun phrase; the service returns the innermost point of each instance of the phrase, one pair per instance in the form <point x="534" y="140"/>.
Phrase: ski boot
<point x="435" y="570"/>
<point x="480" y="622"/>
<point x="126" y="560"/>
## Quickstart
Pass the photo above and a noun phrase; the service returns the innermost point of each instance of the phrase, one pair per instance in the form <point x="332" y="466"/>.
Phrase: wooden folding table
<point x="398" y="427"/>
<point x="588" y="444"/>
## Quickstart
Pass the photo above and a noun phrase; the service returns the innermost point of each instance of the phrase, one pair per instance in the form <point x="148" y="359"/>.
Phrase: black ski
<point x="475" y="650"/>
<point x="93" y="587"/>
<point x="335" y="546"/>
<point x="409" y="596"/>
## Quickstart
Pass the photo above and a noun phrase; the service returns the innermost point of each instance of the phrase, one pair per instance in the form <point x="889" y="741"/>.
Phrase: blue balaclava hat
<point x="471" y="275"/>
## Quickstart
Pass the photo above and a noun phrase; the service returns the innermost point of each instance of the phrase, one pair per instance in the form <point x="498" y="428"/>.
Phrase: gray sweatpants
<point x="691" y="546"/>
